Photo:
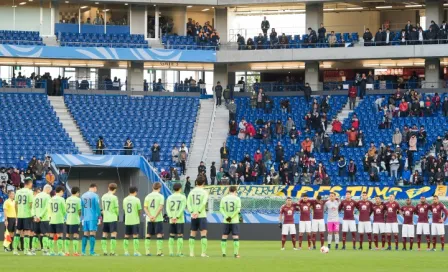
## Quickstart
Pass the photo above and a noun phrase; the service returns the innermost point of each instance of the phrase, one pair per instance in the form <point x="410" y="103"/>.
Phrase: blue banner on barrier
<point x="106" y="53"/>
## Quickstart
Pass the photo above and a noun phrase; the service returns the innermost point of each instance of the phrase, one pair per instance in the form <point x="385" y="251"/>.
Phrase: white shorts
<point x="378" y="228"/>
<point x="304" y="226"/>
<point x="407" y="231"/>
<point x="318" y="225"/>
<point x="364" y="227"/>
<point x="391" y="228"/>
<point x="438" y="229"/>
<point x="348" y="226"/>
<point x="288" y="229"/>
<point x="422" y="228"/>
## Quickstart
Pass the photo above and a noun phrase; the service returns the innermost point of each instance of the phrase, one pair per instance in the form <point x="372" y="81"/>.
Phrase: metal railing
<point x="104" y="44"/>
<point x="84" y="84"/>
<point x="23" y="83"/>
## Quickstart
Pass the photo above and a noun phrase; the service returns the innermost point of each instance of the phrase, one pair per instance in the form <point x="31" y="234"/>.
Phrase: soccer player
<point x="407" y="230"/>
<point x="24" y="204"/>
<point x="318" y="223"/>
<point x="9" y="208"/>
<point x="176" y="204"/>
<point x="422" y="210"/>
<point x="73" y="204"/>
<point x="132" y="211"/>
<point x="41" y="216"/>
<point x="392" y="207"/>
<point x="196" y="203"/>
<point x="110" y="217"/>
<point x="230" y="208"/>
<point x="364" y="207"/>
<point x="304" y="207"/>
<point x="34" y="238"/>
<point x="348" y="205"/>
<point x="153" y="207"/>
<point x="286" y="222"/>
<point x="57" y="216"/>
<point x="91" y="213"/>
<point x="379" y="211"/>
<point x="332" y="207"/>
<point x="438" y="226"/>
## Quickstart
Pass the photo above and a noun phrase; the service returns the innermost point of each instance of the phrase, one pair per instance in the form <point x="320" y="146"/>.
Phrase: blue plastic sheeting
<point x="74" y="28"/>
<point x="118" y="161"/>
<point x="105" y="53"/>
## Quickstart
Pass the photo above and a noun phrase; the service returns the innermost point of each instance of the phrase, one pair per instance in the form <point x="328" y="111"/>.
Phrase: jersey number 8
<point x="129" y="208"/>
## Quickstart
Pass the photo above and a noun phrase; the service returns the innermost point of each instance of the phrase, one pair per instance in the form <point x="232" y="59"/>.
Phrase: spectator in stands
<point x="155" y="152"/>
<point x="250" y="44"/>
<point x="373" y="172"/>
<point x="387" y="37"/>
<point x="326" y="141"/>
<point x="342" y="164"/>
<point x="50" y="178"/>
<point x="335" y="152"/>
<point x="232" y="110"/>
<point x="212" y="173"/>
<point x="352" y="94"/>
<point x="218" y="93"/>
<point x="241" y="42"/>
<point x="408" y="29"/>
<point x="38" y="169"/>
<point x="352" y="137"/>
<point x="307" y="146"/>
<point x="379" y="37"/>
<point x="261" y="99"/>
<point x="322" y="33"/>
<point x="273" y="39"/>
<point x="128" y="146"/>
<point x="233" y="128"/>
<point x="413" y="143"/>
<point x="362" y="86"/>
<point x="100" y="146"/>
<point x="98" y="20"/>
<point x="293" y="135"/>
<point x="21" y="164"/>
<point x="312" y="37"/>
<point x="279" y="130"/>
<point x="279" y="152"/>
<point x="265" y="26"/>
<point x="202" y="170"/>
<point x="351" y="170"/>
<point x="367" y="37"/>
<point x="267" y="159"/>
<point x="63" y="177"/>
<point x="183" y="154"/>
<point x="403" y="37"/>
<point x="175" y="155"/>
<point x="307" y="91"/>
<point x="332" y="40"/>
<point x="29" y="174"/>
<point x="394" y="164"/>
<point x="224" y="152"/>
<point x="397" y="138"/>
<point x="416" y="178"/>
<point x="284" y="41"/>
<point x="439" y="176"/>
<point x="260" y="40"/>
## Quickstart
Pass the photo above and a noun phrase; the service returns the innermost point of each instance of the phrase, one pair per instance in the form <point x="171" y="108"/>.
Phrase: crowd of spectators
<point x="53" y="86"/>
<point x="98" y="20"/>
<point x="204" y="35"/>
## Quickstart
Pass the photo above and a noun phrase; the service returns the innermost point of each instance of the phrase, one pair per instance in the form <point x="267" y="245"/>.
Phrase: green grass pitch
<point x="255" y="256"/>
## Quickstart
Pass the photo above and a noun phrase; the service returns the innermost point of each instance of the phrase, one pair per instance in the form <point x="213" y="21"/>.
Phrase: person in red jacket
<point x="352" y="135"/>
<point x="352" y="94"/>
<point x="258" y="157"/>
<point x="404" y="108"/>
<point x="337" y="126"/>
<point x="436" y="101"/>
<point x="250" y="130"/>
<point x="355" y="122"/>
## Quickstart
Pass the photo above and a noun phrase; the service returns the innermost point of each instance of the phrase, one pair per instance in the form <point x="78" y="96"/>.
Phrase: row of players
<point x="385" y="221"/>
<point x="42" y="216"/>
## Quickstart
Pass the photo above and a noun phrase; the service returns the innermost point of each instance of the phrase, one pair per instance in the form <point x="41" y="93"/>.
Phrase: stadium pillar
<point x="432" y="73"/>
<point x="220" y="74"/>
<point x="221" y="23"/>
<point x="434" y="12"/>
<point x="138" y="19"/>
<point x="314" y="15"/>
<point x="312" y="75"/>
<point x="156" y="23"/>
<point x="135" y="76"/>
<point x="54" y="13"/>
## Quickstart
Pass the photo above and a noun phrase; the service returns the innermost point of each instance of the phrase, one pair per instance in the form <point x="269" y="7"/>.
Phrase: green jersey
<point x="110" y="208"/>
<point x="153" y="202"/>
<point x="230" y="207"/>
<point x="41" y="206"/>
<point x="57" y="210"/>
<point x="197" y="202"/>
<point x="24" y="202"/>
<point x="175" y="207"/>
<point x="132" y="208"/>
<point x="73" y="204"/>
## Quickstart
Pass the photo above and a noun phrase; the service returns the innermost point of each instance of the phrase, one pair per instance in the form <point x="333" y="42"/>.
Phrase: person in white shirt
<point x="388" y="37"/>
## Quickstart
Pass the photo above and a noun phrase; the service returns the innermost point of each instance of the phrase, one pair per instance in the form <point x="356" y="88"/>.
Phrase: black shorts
<point x="154" y="228"/>
<point x="56" y="228"/>
<point x="199" y="224"/>
<point x="233" y="229"/>
<point x="25" y="223"/>
<point x="177" y="228"/>
<point x="110" y="227"/>
<point x="72" y="229"/>
<point x="42" y="227"/>
<point x="131" y="229"/>
<point x="11" y="225"/>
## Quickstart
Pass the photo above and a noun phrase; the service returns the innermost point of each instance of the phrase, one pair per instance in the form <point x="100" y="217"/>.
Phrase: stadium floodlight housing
<point x="384" y="7"/>
<point x="189" y="6"/>
<point x="126" y="4"/>
<point x="22" y="3"/>
<point x="413" y="6"/>
<point x="355" y="8"/>
<point x="83" y="7"/>
<point x="206" y="9"/>
<point x="328" y="9"/>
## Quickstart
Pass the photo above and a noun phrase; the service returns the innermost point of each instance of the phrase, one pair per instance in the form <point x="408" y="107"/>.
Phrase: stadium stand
<point x="102" y="40"/>
<point x="187" y="43"/>
<point x="20" y="37"/>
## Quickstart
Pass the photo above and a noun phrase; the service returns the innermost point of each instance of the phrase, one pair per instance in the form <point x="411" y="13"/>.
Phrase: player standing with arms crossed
<point x="196" y="202"/>
<point x="132" y="211"/>
<point x="110" y="210"/>
<point x="332" y="207"/>
<point x="439" y="214"/>
<point x="230" y="208"/>
<point x="348" y="205"/>
<point x="407" y="229"/>
<point x="24" y="204"/>
<point x="318" y="223"/>
<point x="41" y="216"/>
<point x="153" y="207"/>
<point x="379" y="226"/>
<point x="422" y="210"/>
<point x="73" y="204"/>
<point x="90" y="217"/>
<point x="392" y="207"/>
<point x="176" y="204"/>
<point x="57" y="217"/>
<point x="286" y="222"/>
<point x="364" y="207"/>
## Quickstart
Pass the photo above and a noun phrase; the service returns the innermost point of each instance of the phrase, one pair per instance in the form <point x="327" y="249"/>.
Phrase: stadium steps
<point x="343" y="114"/>
<point x="50" y="40"/>
<point x="200" y="136"/>
<point x="69" y="124"/>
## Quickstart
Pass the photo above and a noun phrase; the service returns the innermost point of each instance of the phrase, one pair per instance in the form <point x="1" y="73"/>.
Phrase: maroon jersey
<point x="378" y="212"/>
<point x="437" y="210"/>
<point x="365" y="209"/>
<point x="348" y="206"/>
<point x="288" y="213"/>
<point x="305" y="210"/>
<point x="422" y="212"/>
<point x="318" y="209"/>
<point x="408" y="214"/>
<point x="391" y="209"/>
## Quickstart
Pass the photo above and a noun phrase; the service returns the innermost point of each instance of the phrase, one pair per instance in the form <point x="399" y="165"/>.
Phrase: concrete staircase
<point x="344" y="114"/>
<point x="50" y="40"/>
<point x="200" y="136"/>
<point x="69" y="124"/>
